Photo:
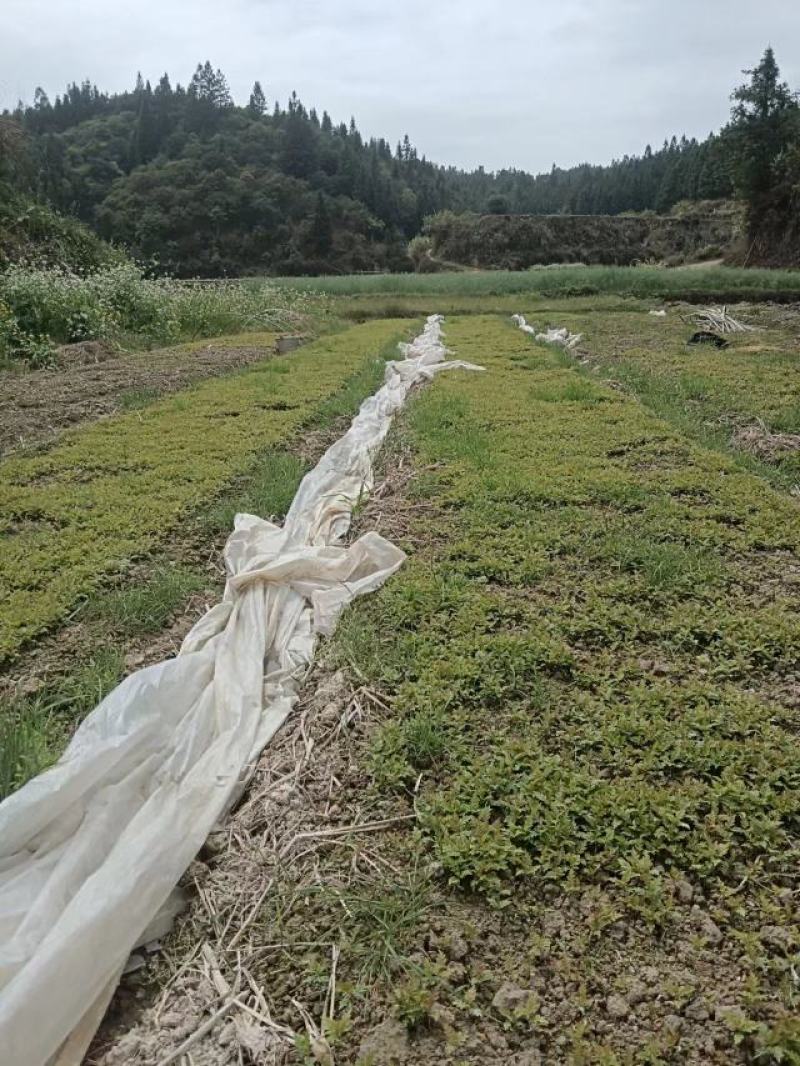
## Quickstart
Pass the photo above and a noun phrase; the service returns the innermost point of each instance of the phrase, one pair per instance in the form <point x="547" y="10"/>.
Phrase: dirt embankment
<point x="92" y="381"/>
<point x="515" y="242"/>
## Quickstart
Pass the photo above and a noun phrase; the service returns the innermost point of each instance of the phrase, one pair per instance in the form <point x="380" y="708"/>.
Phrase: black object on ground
<point x="705" y="336"/>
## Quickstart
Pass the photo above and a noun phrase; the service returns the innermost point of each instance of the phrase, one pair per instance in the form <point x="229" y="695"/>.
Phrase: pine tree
<point x="208" y="96"/>
<point x="321" y="232"/>
<point x="761" y="121"/>
<point x="299" y="154"/>
<point x="210" y="85"/>
<point x="146" y="134"/>
<point x="257" y="103"/>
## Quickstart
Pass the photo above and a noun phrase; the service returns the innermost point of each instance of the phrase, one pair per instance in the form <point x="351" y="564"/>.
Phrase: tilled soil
<point x="95" y="382"/>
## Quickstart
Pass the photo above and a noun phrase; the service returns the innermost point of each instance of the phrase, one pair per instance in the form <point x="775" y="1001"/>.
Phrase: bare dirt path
<point x="95" y="382"/>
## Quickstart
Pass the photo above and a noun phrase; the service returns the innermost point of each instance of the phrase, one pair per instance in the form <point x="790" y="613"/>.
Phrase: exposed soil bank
<point x="515" y="242"/>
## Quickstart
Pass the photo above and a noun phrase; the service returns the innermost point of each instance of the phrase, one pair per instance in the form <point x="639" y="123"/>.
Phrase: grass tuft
<point x="148" y="607"/>
<point x="34" y="729"/>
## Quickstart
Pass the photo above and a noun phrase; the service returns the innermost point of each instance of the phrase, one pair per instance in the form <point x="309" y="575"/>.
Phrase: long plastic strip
<point x="91" y="850"/>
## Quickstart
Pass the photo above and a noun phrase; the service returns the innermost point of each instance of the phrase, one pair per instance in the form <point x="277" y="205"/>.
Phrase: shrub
<point x="419" y="250"/>
<point x="44" y="305"/>
<point x="15" y="343"/>
<point x="34" y="233"/>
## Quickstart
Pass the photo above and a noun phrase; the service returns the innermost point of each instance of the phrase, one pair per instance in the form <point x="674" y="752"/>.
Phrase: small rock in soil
<point x="684" y="891"/>
<point x="509" y="997"/>
<point x="529" y="1057"/>
<point x="697" y="1011"/>
<point x="386" y="1045"/>
<point x="776" y="937"/>
<point x="553" y="924"/>
<point x="637" y="992"/>
<point x="496" y="1039"/>
<point x="617" y="1007"/>
<point x="257" y="1041"/>
<point x="707" y="926"/>
<point x="454" y="945"/>
<point x="654" y="666"/>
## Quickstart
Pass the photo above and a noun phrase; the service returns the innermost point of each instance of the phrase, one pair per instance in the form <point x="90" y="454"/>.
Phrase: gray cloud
<point x="516" y="83"/>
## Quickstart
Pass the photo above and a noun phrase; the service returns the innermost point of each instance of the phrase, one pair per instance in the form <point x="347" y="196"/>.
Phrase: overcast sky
<point x="521" y="83"/>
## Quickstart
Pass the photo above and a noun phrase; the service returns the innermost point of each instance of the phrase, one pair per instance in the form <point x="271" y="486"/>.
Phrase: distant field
<point x="717" y="282"/>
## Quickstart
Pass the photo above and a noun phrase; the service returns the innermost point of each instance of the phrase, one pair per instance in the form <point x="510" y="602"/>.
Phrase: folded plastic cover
<point x="91" y="850"/>
<point x="561" y="336"/>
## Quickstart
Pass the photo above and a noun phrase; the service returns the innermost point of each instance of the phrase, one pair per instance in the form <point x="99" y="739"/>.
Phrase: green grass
<point x="34" y="729"/>
<point x="379" y="921"/>
<point x="77" y="513"/>
<point x="361" y="307"/>
<point x="703" y="391"/>
<point x="663" y="564"/>
<point x="718" y="282"/>
<point x="136" y="399"/>
<point x="145" y="607"/>
<point x="587" y="653"/>
<point x="267" y="490"/>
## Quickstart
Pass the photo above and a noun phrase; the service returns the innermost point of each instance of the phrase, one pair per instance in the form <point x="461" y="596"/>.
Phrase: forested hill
<point x="185" y="176"/>
<point x="189" y="179"/>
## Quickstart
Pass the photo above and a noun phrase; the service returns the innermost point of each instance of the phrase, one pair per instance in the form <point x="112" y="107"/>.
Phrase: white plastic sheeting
<point x="91" y="850"/>
<point x="562" y="337"/>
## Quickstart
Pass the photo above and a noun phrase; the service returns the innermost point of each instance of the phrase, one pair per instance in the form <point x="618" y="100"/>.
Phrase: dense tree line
<point x="185" y="177"/>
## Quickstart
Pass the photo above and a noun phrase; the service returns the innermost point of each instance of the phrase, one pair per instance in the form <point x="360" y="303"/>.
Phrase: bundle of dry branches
<point x="718" y="319"/>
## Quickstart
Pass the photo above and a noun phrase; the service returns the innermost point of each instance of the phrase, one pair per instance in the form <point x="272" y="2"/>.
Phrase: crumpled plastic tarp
<point x="91" y="850"/>
<point x="561" y="337"/>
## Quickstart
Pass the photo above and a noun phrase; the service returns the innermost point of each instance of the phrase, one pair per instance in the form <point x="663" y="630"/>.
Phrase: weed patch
<point x="145" y="607"/>
<point x="34" y="729"/>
